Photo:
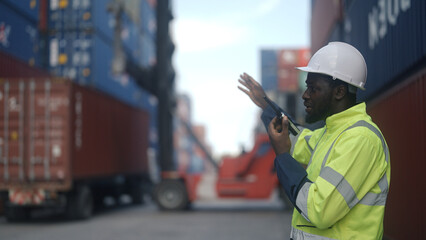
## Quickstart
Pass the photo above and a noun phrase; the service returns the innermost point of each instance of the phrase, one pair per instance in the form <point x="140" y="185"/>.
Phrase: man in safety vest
<point x="342" y="193"/>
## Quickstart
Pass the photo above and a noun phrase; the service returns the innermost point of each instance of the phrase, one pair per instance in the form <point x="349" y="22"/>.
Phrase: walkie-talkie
<point x="291" y="126"/>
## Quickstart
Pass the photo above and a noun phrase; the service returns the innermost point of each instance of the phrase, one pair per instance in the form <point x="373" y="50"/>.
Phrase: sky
<point x="218" y="40"/>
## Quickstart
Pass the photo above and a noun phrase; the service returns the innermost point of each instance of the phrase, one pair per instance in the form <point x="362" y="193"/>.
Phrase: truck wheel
<point x="17" y="213"/>
<point x="80" y="203"/>
<point x="171" y="195"/>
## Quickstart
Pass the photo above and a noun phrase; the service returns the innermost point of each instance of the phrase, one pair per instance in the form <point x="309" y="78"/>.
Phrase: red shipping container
<point x="56" y="135"/>
<point x="12" y="67"/>
<point x="401" y="116"/>
<point x="288" y="76"/>
<point x="303" y="57"/>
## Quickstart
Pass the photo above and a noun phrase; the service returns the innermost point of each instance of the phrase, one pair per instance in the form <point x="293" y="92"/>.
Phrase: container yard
<point x="74" y="130"/>
<point x="90" y="117"/>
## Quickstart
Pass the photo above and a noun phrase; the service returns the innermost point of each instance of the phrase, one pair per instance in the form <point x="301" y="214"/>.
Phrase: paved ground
<point x="215" y="220"/>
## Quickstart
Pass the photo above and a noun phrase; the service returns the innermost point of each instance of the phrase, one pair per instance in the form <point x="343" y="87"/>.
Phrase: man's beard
<point x="310" y="118"/>
<point x="314" y="117"/>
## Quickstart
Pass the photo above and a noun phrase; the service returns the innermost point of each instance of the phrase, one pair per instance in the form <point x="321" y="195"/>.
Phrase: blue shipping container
<point x="269" y="69"/>
<point x="148" y="18"/>
<point x="86" y="58"/>
<point x="81" y="14"/>
<point x="96" y="17"/>
<point x="19" y="36"/>
<point x="28" y="8"/>
<point x="390" y="34"/>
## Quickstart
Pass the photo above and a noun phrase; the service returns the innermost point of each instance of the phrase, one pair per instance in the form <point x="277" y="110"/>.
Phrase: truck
<point x="66" y="146"/>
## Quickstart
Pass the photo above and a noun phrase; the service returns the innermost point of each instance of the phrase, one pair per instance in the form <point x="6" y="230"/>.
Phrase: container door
<point x="34" y="133"/>
<point x="12" y="119"/>
<point x="48" y="131"/>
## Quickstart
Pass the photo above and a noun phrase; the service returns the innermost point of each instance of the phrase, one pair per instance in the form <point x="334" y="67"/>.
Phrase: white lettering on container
<point x="385" y="13"/>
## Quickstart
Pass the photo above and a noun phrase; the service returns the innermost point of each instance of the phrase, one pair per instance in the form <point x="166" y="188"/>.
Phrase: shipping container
<point x="85" y="14"/>
<point x="183" y="143"/>
<point x="64" y="145"/>
<point x="137" y="21"/>
<point x="12" y="67"/>
<point x="29" y="9"/>
<point x="401" y="116"/>
<point x="278" y="69"/>
<point x="390" y="34"/>
<point x="148" y="17"/>
<point x="269" y="69"/>
<point x="288" y="75"/>
<point x="19" y="36"/>
<point x="199" y="157"/>
<point x="86" y="58"/>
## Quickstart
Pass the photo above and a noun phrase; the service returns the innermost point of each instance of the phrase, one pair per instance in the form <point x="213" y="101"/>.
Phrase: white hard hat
<point x="339" y="60"/>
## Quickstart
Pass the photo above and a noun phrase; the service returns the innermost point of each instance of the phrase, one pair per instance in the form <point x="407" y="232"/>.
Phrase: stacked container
<point x="19" y="34"/>
<point x="41" y="40"/>
<point x="81" y="46"/>
<point x="189" y="156"/>
<point x="81" y="43"/>
<point x="282" y="81"/>
<point x="278" y="68"/>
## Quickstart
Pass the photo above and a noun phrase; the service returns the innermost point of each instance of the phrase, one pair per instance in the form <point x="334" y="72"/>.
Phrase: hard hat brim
<point x="310" y="70"/>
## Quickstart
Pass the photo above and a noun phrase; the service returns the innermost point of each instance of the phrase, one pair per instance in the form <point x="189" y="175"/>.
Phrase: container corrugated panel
<point x="54" y="131"/>
<point x="113" y="136"/>
<point x="28" y="8"/>
<point x="401" y="116"/>
<point x="86" y="58"/>
<point x="269" y="69"/>
<point x="390" y="34"/>
<point x="19" y="36"/>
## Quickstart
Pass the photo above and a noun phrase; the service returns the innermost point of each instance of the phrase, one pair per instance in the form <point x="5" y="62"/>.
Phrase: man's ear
<point x="340" y="91"/>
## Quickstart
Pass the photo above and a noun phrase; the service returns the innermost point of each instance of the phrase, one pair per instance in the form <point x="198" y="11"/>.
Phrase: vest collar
<point x="346" y="117"/>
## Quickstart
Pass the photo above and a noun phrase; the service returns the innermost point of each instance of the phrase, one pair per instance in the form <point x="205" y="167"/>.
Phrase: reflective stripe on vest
<point x="342" y="185"/>
<point x="297" y="234"/>
<point x="315" y="148"/>
<point x="307" y="138"/>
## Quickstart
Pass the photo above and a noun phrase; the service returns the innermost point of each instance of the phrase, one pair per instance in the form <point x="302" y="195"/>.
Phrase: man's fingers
<point x="271" y="127"/>
<point x="251" y="80"/>
<point x="244" y="90"/>
<point x="244" y="83"/>
<point x="284" y="124"/>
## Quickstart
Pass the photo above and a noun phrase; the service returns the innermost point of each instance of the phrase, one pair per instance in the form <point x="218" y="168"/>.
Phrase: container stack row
<point x="188" y="155"/>
<point x="75" y="39"/>
<point x="282" y="81"/>
<point x="81" y="43"/>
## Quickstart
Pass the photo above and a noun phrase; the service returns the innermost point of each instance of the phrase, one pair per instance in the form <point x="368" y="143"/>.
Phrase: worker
<point x="342" y="192"/>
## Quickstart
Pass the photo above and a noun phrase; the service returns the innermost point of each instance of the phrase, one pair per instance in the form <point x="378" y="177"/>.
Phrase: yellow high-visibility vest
<point x="349" y="166"/>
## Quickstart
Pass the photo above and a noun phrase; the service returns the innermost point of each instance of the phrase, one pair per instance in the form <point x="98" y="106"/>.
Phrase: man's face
<point x="317" y="97"/>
